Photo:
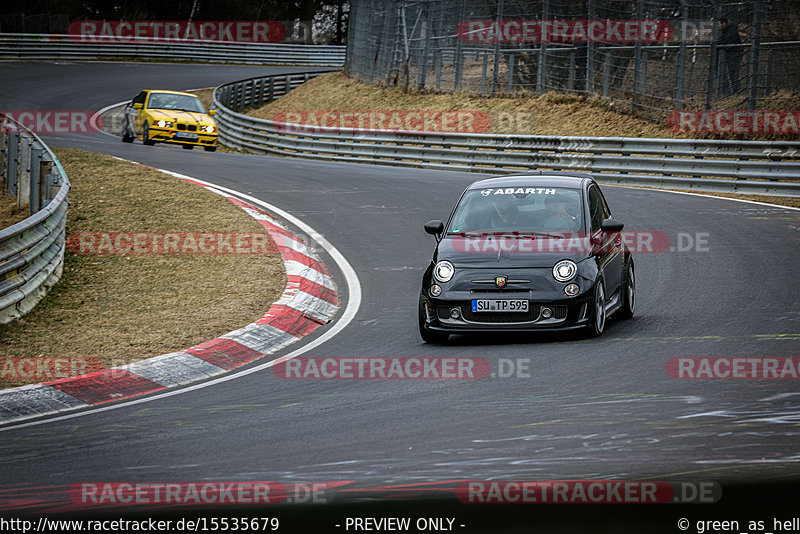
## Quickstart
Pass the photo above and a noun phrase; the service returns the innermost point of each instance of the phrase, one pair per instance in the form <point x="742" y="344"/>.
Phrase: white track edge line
<point x="353" y="303"/>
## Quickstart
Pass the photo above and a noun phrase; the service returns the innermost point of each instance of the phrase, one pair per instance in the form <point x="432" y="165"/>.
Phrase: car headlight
<point x="444" y="271"/>
<point x="565" y="270"/>
<point x="163" y="124"/>
<point x="210" y="129"/>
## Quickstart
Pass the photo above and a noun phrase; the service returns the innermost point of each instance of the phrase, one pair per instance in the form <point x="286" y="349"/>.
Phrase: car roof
<point x="539" y="178"/>
<point x="169" y="92"/>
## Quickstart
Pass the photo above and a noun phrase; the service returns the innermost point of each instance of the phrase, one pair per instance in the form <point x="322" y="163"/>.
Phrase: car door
<point x="137" y="114"/>
<point x="607" y="247"/>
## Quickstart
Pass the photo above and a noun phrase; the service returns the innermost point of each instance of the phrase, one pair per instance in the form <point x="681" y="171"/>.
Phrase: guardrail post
<point x="24" y="170"/>
<point x="34" y="199"/>
<point x="240" y="94"/>
<point x="271" y="96"/>
<point x="251" y="100"/>
<point x="12" y="158"/>
<point x="3" y="142"/>
<point x="287" y="84"/>
<point x="52" y="185"/>
<point x="261" y="91"/>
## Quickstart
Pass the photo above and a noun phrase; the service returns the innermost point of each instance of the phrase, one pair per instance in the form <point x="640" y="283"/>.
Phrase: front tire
<point x="629" y="304"/>
<point x="126" y="134"/>
<point x="210" y="148"/>
<point x="146" y="135"/>
<point x="598" y="316"/>
<point x="429" y="336"/>
<point x="187" y="147"/>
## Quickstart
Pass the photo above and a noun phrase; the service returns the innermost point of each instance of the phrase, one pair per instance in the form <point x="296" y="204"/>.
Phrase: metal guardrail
<point x="32" y="250"/>
<point x="25" y="46"/>
<point x="748" y="167"/>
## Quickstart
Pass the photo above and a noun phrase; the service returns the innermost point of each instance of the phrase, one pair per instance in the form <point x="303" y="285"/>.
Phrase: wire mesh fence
<point x="654" y="57"/>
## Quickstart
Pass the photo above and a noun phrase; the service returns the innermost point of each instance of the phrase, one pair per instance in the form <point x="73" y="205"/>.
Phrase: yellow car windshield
<point x="176" y="102"/>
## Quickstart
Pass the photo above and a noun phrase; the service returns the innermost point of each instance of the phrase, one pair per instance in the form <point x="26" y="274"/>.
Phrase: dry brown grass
<point x="9" y="212"/>
<point x="548" y="114"/>
<point x="126" y="308"/>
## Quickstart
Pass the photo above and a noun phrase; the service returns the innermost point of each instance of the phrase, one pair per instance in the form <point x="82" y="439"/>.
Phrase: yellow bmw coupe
<point x="156" y="116"/>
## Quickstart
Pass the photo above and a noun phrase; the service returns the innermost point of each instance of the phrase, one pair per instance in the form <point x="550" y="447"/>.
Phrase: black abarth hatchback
<point x="529" y="252"/>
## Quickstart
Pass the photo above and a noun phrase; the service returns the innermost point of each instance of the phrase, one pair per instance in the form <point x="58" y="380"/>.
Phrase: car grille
<point x="500" y="317"/>
<point x="187" y="127"/>
<point x="559" y="313"/>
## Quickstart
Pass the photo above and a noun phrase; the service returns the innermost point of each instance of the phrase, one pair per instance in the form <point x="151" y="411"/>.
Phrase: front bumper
<point x="568" y="314"/>
<point x="549" y="308"/>
<point x="171" y="135"/>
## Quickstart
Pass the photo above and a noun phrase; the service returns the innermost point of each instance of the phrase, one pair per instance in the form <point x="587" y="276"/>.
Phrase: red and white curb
<point x="310" y="299"/>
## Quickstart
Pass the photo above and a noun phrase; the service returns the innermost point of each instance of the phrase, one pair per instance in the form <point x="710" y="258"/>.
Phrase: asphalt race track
<point x="603" y="408"/>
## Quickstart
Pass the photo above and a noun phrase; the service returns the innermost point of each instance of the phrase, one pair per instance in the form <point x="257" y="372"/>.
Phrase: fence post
<point x="484" y="70"/>
<point x="590" y="54"/>
<point x="511" y="60"/>
<point x="681" y="66"/>
<point x="496" y="70"/>
<point x="459" y="59"/>
<point x="423" y="64"/>
<point x="271" y="95"/>
<point x="712" y="58"/>
<point x="606" y="73"/>
<point x="541" y="77"/>
<point x="768" y="82"/>
<point x="637" y="62"/>
<point x="752" y="93"/>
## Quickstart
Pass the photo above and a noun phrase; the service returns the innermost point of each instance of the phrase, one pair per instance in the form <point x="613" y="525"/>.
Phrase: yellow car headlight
<point x="209" y="129"/>
<point x="164" y="124"/>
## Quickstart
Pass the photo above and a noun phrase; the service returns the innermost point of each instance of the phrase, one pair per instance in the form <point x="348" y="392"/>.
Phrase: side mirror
<point x="611" y="226"/>
<point x="138" y="106"/>
<point x="435" y="228"/>
<point x="212" y="112"/>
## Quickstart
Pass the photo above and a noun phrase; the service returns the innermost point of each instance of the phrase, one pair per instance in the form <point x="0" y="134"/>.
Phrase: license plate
<point x="185" y="136"/>
<point x="505" y="305"/>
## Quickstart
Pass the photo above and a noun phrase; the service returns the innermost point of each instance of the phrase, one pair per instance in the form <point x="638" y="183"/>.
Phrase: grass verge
<point x="123" y="308"/>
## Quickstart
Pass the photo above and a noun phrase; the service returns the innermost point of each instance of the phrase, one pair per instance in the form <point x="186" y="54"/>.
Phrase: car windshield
<point x="526" y="210"/>
<point x="176" y="102"/>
